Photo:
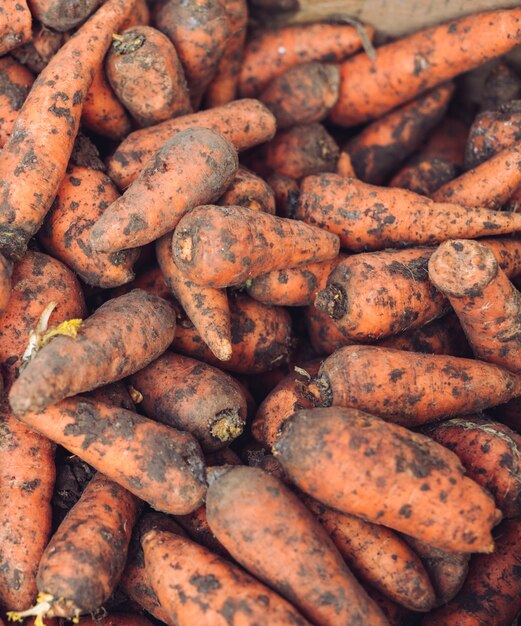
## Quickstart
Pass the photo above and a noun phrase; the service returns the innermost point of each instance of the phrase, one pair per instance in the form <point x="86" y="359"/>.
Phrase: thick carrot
<point x="191" y="169"/>
<point x="82" y="198"/>
<point x="486" y="302"/>
<point x="245" y="123"/>
<point x="424" y="174"/>
<point x="121" y="337"/>
<point x="144" y="61"/>
<point x="378" y="150"/>
<point x="192" y="396"/>
<point x="421" y="489"/>
<point x="250" y="191"/>
<point x="302" y="95"/>
<point x="15" y="24"/>
<point x="206" y="307"/>
<point x="115" y="619"/>
<point x="224" y="85"/>
<point x="15" y="84"/>
<point x="270" y="53"/>
<point x="492" y="591"/>
<point x="490" y="453"/>
<point x="34" y="160"/>
<point x="412" y="389"/>
<point x="223" y="246"/>
<point x="62" y="15"/>
<point x="366" y="217"/>
<point x="260" y="522"/>
<point x="501" y="86"/>
<point x="159" y="464"/>
<point x="407" y="67"/>
<point x="36" y="53"/>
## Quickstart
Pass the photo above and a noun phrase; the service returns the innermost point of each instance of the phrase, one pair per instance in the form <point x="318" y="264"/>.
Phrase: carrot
<point x="200" y="31"/>
<point x="514" y="202"/>
<point x="34" y="160"/>
<point x="300" y="151"/>
<point x="206" y="307"/>
<point x="224" y="456"/>
<point x="448" y="141"/>
<point x="115" y="394"/>
<point x="412" y="389"/>
<point x="213" y="591"/>
<point x="490" y="453"/>
<point x="325" y="336"/>
<point x="366" y="217"/>
<point x="6" y="269"/>
<point x="115" y="619"/>
<point x="344" y="165"/>
<point x="250" y="191"/>
<point x="424" y="174"/>
<point x="489" y="184"/>
<point x="377" y="556"/>
<point x="15" y="82"/>
<point x="144" y="61"/>
<point x="139" y="16"/>
<point x="270" y="53"/>
<point x="491" y="593"/>
<point x="15" y="24"/>
<point x="260" y="522"/>
<point x="289" y="396"/>
<point x="486" y="302"/>
<point x="224" y="246"/>
<point x="85" y="557"/>
<point x="407" y="67"/>
<point x="62" y="15"/>
<point x="224" y="85"/>
<point x="122" y="336"/>
<point x="196" y="525"/>
<point x="245" y="123"/>
<point x="303" y="94"/>
<point x="286" y="191"/>
<point x="395" y="614"/>
<point x="82" y="197"/>
<point x="72" y="476"/>
<point x="192" y="168"/>
<point x="421" y="490"/>
<point x="192" y="396"/>
<point x="36" y="53"/>
<point x="501" y="86"/>
<point x="378" y="150"/>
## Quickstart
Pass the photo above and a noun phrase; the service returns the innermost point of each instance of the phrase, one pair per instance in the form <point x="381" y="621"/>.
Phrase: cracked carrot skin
<point x="62" y="15"/>
<point x="142" y="60"/>
<point x="407" y="67"/>
<point x="492" y="591"/>
<point x="15" y="83"/>
<point x="367" y="217"/>
<point x="197" y="586"/>
<point x="246" y="123"/>
<point x="15" y="25"/>
<point x="490" y="453"/>
<point x="485" y="301"/>
<point x="82" y="198"/>
<point x="191" y="169"/>
<point x="250" y="191"/>
<point x="121" y="337"/>
<point x="225" y="246"/>
<point x="412" y="389"/>
<point x="192" y="396"/>
<point x="422" y="491"/>
<point x="270" y="53"/>
<point x="314" y="577"/>
<point x="139" y="454"/>
<point x="378" y="150"/>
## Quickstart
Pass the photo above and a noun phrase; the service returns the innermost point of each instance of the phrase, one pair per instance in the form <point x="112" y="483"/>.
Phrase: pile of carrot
<point x="260" y="318"/>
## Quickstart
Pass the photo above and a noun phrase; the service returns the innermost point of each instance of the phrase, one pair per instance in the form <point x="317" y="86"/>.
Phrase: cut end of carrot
<point x="227" y="426"/>
<point x="332" y="301"/>
<point x="184" y="247"/>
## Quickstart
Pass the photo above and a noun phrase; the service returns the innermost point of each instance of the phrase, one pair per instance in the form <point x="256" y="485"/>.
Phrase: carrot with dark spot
<point x="15" y="84"/>
<point x="15" y="25"/>
<point x="62" y="15"/>
<point x="424" y="174"/>
<point x="250" y="191"/>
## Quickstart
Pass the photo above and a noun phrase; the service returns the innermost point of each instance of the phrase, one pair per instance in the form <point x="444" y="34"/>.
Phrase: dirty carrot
<point x="250" y="191"/>
<point x="6" y="269"/>
<point x="16" y="82"/>
<point x="286" y="192"/>
<point x="324" y="334"/>
<point x="424" y="174"/>
<point x="15" y="25"/>
<point x="421" y="490"/>
<point x="62" y="15"/>
<point x="196" y="525"/>
<point x="501" y="86"/>
<point x="36" y="53"/>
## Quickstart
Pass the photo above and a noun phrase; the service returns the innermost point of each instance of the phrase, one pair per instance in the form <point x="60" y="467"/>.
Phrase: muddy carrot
<point x="366" y="217"/>
<point x="196" y="525"/>
<point x="424" y="175"/>
<point x="242" y="244"/>
<point x="412" y="389"/>
<point x="286" y="192"/>
<point x="325" y="336"/>
<point x="378" y="150"/>
<point x="61" y="15"/>
<point x="270" y="53"/>
<point x="36" y="53"/>
<point x="16" y="83"/>
<point x="486" y="302"/>
<point x="15" y="25"/>
<point x="501" y="86"/>
<point x="139" y="16"/>
<point x="191" y="169"/>
<point x="421" y="491"/>
<point x="407" y="67"/>
<point x="241" y="495"/>
<point x="250" y="191"/>
<point x="224" y="85"/>
<point x="245" y="123"/>
<point x="34" y="160"/>
<point x="491" y="593"/>
<point x="142" y="60"/>
<point x="6" y="269"/>
<point x="122" y="336"/>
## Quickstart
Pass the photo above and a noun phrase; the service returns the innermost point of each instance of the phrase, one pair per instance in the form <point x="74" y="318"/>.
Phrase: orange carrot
<point x="15" y="24"/>
<point x="409" y="66"/>
<point x="395" y="614"/>
<point x="36" y="53"/>
<point x="250" y="191"/>
<point x="286" y="191"/>
<point x="15" y="81"/>
<point x="345" y="166"/>
<point x="424" y="175"/>
<point x="196" y="525"/>
<point x="61" y="15"/>
<point x="139" y="16"/>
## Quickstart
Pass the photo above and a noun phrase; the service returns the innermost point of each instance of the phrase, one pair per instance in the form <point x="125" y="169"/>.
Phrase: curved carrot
<point x="16" y="83"/>
<point x="421" y="489"/>
<point x="15" y="25"/>
<point x="286" y="192"/>
<point x="411" y="65"/>
<point x="34" y="160"/>
<point x="250" y="191"/>
<point x="424" y="175"/>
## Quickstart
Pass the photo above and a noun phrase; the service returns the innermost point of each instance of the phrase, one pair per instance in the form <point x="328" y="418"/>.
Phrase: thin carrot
<point x="16" y="82"/>
<point x="409" y="66"/>
<point x="250" y="191"/>
<point x="15" y="25"/>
